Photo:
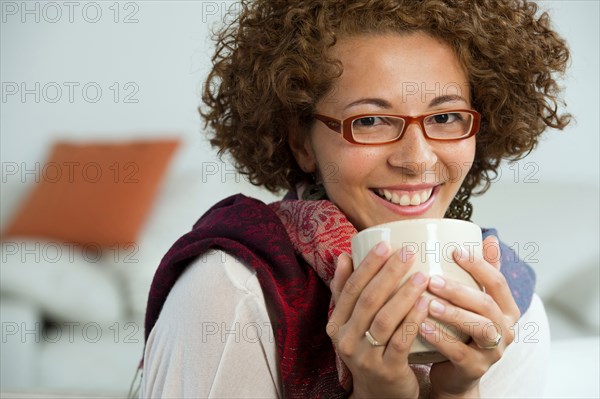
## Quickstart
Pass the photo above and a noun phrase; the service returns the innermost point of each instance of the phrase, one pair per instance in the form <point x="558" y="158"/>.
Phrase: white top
<point x="213" y="339"/>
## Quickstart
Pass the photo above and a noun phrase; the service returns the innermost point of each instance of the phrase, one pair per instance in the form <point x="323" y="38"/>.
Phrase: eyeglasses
<point x="368" y="129"/>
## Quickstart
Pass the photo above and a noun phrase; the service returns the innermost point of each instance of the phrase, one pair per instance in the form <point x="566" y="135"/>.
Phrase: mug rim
<point x="420" y="221"/>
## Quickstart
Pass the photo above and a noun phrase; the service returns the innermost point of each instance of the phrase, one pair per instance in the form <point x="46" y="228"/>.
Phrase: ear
<point x="302" y="149"/>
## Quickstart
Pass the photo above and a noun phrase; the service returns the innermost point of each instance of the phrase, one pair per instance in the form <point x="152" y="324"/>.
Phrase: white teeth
<point x="426" y="194"/>
<point x="404" y="199"/>
<point x="387" y="194"/>
<point x="415" y="200"/>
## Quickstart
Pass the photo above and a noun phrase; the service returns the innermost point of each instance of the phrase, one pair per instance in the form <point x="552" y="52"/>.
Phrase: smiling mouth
<point x="405" y="198"/>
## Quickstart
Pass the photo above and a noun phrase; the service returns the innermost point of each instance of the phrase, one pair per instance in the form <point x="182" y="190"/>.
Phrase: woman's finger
<point x="465" y="297"/>
<point x="490" y="279"/>
<point x="378" y="292"/>
<point x="484" y="331"/>
<point x="395" y="310"/>
<point x="357" y="281"/>
<point x="491" y="251"/>
<point x="400" y="342"/>
<point x="343" y="271"/>
<point x="472" y="361"/>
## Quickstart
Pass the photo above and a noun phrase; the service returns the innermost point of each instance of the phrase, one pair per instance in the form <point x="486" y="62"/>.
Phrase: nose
<point x="413" y="152"/>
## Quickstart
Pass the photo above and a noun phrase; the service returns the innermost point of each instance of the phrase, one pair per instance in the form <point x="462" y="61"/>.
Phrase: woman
<point x="367" y="112"/>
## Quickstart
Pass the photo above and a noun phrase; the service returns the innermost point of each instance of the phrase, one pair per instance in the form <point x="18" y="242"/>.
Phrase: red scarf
<point x="320" y="232"/>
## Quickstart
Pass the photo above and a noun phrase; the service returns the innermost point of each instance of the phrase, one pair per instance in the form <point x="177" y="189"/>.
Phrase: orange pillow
<point x="94" y="193"/>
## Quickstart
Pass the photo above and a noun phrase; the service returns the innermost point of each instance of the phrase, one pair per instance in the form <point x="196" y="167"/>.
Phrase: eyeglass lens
<point x="377" y="128"/>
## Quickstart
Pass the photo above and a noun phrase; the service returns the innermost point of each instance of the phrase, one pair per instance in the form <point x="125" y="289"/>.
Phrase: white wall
<point x="159" y="59"/>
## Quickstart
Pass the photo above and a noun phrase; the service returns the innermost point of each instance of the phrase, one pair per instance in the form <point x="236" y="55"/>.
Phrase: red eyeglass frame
<point x="344" y="126"/>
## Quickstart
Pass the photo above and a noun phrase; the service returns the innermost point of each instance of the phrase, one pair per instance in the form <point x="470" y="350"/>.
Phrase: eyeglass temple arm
<point x="333" y="124"/>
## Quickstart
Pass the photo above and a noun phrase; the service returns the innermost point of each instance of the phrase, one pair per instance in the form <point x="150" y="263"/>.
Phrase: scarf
<point x="293" y="246"/>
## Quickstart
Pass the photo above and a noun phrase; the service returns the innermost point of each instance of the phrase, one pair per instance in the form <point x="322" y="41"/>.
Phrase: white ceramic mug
<point x="433" y="241"/>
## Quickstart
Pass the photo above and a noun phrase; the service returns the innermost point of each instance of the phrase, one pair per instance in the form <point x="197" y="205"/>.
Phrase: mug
<point x="433" y="241"/>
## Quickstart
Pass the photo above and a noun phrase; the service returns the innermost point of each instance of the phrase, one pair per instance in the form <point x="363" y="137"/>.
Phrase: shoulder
<point x="239" y="205"/>
<point x="214" y="318"/>
<point x="218" y="278"/>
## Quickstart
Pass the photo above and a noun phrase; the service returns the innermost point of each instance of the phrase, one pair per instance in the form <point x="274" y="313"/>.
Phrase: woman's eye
<point x="368" y="121"/>
<point x="445" y="118"/>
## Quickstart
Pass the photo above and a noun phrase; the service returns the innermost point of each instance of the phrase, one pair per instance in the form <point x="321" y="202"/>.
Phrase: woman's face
<point x="411" y="75"/>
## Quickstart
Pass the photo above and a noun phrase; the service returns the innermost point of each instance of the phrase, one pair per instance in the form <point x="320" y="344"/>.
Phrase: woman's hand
<point x="487" y="317"/>
<point x="371" y="299"/>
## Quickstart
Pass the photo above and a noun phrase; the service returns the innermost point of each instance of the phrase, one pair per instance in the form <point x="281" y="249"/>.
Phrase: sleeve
<point x="522" y="370"/>
<point x="213" y="338"/>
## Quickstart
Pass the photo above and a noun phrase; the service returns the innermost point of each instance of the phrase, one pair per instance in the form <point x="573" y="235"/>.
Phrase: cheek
<point x="457" y="171"/>
<point x="458" y="161"/>
<point x="358" y="164"/>
<point x="332" y="174"/>
<point x="341" y="173"/>
<point x="341" y="163"/>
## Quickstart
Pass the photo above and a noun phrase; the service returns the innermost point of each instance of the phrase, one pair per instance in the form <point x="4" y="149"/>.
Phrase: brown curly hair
<point x="271" y="67"/>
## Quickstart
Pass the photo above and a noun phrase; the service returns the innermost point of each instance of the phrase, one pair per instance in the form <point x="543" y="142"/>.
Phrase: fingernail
<point x="427" y="328"/>
<point x="422" y="303"/>
<point x="436" y="307"/>
<point x="340" y="258"/>
<point x="437" y="282"/>
<point x="419" y="279"/>
<point x="382" y="248"/>
<point x="462" y="253"/>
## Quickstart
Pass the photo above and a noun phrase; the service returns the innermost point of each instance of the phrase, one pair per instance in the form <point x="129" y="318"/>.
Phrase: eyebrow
<point x="380" y="102"/>
<point x="447" y="98"/>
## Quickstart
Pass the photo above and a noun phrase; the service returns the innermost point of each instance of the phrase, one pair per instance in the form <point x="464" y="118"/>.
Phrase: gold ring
<point x="372" y="340"/>
<point x="495" y="344"/>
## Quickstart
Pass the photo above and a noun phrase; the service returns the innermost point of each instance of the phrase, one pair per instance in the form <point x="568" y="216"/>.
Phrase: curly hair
<point x="272" y="65"/>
